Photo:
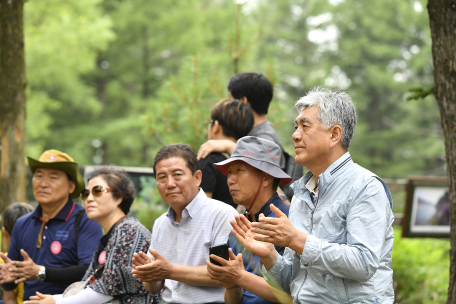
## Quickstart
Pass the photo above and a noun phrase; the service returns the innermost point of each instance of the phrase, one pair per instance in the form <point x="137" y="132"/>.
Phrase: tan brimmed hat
<point x="61" y="161"/>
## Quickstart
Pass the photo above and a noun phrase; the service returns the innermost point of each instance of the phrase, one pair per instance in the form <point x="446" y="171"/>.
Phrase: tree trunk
<point x="442" y="16"/>
<point x="12" y="103"/>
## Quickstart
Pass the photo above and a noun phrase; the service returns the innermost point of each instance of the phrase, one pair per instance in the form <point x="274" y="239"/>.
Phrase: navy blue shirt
<point x="251" y="261"/>
<point x="59" y="231"/>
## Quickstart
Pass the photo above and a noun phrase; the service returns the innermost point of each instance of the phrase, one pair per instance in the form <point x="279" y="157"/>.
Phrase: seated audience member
<point x="107" y="200"/>
<point x="10" y="215"/>
<point x="182" y="236"/>
<point x="254" y="174"/>
<point x="52" y="246"/>
<point x="230" y="120"/>
<point x="339" y="233"/>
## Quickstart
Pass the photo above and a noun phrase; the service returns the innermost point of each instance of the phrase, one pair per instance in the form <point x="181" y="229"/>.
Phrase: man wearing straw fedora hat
<point x="254" y="173"/>
<point x="52" y="246"/>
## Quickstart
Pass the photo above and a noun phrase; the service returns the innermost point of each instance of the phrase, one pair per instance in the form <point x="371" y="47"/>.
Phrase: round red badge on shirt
<point x="56" y="247"/>
<point x="102" y="257"/>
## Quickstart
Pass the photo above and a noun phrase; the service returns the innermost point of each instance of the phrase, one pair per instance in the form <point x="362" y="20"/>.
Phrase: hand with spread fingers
<point x="230" y="273"/>
<point x="24" y="270"/>
<point x="279" y="231"/>
<point x="147" y="269"/>
<point x="5" y="274"/>
<point x="243" y="232"/>
<point x="41" y="299"/>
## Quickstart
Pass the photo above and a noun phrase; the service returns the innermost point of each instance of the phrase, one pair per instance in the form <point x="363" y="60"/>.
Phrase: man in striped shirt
<point x="181" y="237"/>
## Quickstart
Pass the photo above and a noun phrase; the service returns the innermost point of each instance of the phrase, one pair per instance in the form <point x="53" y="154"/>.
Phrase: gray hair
<point x="335" y="108"/>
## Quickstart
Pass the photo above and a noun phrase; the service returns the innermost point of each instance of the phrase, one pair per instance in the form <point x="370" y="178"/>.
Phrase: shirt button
<point x="45" y="227"/>
<point x="44" y="237"/>
<point x="306" y="264"/>
<point x="178" y="250"/>
<point x="180" y="228"/>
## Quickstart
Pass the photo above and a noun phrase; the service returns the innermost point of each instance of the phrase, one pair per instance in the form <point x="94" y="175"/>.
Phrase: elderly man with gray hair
<point x="339" y="234"/>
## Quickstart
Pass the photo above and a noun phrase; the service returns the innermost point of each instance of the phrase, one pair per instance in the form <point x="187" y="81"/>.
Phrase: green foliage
<point x="420" y="93"/>
<point x="62" y="41"/>
<point x="421" y="269"/>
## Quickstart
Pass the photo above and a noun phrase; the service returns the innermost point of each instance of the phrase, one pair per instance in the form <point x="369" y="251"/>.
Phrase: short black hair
<point x="275" y="183"/>
<point x="118" y="180"/>
<point x="12" y="213"/>
<point x="235" y="117"/>
<point x="255" y="87"/>
<point x="178" y="150"/>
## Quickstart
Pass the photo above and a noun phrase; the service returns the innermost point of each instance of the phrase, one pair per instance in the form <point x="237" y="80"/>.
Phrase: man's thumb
<point x="155" y="254"/>
<point x="25" y="255"/>
<point x="277" y="211"/>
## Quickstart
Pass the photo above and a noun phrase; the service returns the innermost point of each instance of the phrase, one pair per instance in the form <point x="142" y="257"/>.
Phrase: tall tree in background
<point x="442" y="16"/>
<point x="12" y="103"/>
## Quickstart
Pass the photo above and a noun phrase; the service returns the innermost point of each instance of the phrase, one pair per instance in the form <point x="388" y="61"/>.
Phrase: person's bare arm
<point x="154" y="287"/>
<point x="9" y="297"/>
<point x="219" y="145"/>
<point x="233" y="295"/>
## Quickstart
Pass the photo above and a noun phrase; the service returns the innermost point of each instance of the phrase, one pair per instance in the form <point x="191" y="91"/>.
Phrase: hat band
<point x="247" y="211"/>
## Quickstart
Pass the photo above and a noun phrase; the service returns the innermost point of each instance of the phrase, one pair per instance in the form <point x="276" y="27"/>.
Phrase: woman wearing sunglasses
<point x="107" y="200"/>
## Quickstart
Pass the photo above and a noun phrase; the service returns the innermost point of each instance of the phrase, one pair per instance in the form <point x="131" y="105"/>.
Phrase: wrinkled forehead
<point x="49" y="171"/>
<point x="171" y="164"/>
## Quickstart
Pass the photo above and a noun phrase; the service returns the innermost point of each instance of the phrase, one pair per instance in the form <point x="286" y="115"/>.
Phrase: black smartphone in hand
<point x="221" y="251"/>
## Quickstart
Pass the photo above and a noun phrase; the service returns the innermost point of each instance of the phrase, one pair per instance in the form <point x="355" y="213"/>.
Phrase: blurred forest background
<point x="110" y="82"/>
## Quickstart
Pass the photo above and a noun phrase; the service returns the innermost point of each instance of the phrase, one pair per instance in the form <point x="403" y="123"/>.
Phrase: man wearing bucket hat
<point x="254" y="173"/>
<point x="51" y="247"/>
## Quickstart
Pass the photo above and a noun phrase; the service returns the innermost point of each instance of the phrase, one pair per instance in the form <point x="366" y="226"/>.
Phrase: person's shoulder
<point x="220" y="206"/>
<point x="212" y="158"/>
<point x="21" y="221"/>
<point x="131" y="224"/>
<point x="161" y="220"/>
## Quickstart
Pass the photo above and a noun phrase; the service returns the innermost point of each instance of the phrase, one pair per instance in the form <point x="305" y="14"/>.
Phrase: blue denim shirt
<point x="347" y="254"/>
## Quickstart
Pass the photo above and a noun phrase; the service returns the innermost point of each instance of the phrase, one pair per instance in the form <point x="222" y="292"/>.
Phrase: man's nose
<point x="171" y="183"/>
<point x="296" y="135"/>
<point x="230" y="179"/>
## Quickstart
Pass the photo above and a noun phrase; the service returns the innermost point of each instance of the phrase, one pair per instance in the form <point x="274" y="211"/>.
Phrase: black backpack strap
<point x="77" y="222"/>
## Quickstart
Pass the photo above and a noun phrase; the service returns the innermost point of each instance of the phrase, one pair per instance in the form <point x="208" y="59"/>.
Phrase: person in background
<point x="253" y="177"/>
<point x="107" y="200"/>
<point x="182" y="236"/>
<point x="52" y="246"/>
<point x="255" y="91"/>
<point x="10" y="215"/>
<point x="230" y="120"/>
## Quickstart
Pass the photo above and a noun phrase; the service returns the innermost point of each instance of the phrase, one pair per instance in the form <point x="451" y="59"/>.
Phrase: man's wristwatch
<point x="42" y="274"/>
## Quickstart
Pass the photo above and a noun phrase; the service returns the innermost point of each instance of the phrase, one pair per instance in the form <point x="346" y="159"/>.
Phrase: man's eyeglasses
<point x="97" y="191"/>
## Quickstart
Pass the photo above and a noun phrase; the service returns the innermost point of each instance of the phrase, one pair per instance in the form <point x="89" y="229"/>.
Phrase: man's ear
<point x="336" y="136"/>
<point x="267" y="180"/>
<point x="198" y="177"/>
<point x="216" y="127"/>
<point x="72" y="186"/>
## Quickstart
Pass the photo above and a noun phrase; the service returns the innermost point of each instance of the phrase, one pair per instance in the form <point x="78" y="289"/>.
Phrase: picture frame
<point x="426" y="212"/>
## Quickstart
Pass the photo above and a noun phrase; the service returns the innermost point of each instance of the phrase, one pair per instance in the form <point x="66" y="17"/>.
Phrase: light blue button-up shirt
<point x="347" y="255"/>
